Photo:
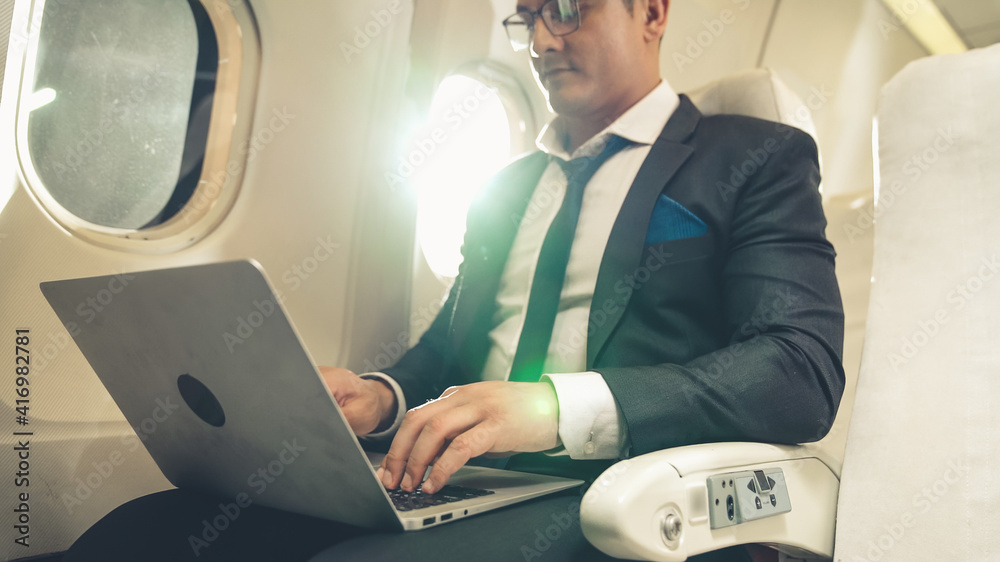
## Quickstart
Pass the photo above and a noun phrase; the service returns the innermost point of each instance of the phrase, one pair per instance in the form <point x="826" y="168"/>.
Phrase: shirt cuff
<point x="590" y="424"/>
<point x="400" y="401"/>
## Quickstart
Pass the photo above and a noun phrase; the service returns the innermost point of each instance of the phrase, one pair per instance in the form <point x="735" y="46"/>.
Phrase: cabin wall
<point x="312" y="207"/>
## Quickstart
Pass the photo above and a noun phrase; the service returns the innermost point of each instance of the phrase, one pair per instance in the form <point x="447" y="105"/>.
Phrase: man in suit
<point x="692" y="300"/>
<point x="699" y="275"/>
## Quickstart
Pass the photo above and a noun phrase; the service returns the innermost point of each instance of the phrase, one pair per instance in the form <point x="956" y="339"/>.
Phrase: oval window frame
<point x="230" y="127"/>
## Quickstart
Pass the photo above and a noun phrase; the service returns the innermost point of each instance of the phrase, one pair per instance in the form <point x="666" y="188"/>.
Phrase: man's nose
<point x="542" y="40"/>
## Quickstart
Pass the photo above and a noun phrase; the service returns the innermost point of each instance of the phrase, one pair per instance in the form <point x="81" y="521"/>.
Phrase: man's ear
<point x="655" y="19"/>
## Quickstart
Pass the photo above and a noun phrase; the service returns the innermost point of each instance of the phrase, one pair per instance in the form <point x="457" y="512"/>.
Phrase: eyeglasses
<point x="561" y="17"/>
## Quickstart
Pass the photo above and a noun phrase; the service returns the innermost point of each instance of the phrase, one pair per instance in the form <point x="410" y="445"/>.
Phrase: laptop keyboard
<point x="408" y="501"/>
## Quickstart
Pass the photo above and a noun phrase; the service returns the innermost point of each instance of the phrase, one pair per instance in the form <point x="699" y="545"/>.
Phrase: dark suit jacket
<point x="733" y="335"/>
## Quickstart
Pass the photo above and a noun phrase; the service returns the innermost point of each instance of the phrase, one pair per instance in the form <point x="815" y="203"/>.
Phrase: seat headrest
<point x="755" y="93"/>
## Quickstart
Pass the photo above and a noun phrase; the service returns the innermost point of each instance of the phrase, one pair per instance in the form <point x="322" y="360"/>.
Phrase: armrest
<point x="626" y="511"/>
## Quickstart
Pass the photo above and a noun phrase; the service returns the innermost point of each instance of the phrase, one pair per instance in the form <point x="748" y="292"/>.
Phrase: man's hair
<point x="629" y="4"/>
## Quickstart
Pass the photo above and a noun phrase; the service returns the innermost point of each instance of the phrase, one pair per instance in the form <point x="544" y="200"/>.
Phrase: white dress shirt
<point x="591" y="425"/>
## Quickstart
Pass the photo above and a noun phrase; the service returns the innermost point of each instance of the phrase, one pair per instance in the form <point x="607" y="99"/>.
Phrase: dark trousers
<point x="177" y="525"/>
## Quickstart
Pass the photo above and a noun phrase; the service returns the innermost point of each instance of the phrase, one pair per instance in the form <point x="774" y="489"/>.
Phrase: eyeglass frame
<point x="534" y="17"/>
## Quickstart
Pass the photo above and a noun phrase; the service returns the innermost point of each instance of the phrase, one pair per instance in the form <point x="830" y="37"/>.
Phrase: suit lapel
<point x="623" y="254"/>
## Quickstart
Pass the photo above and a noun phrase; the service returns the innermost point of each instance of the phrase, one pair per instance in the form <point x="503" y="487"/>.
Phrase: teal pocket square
<point x="671" y="221"/>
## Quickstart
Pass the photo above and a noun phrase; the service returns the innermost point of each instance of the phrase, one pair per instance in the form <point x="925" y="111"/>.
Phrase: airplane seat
<point x="923" y="448"/>
<point x="672" y="504"/>
<point x="758" y="92"/>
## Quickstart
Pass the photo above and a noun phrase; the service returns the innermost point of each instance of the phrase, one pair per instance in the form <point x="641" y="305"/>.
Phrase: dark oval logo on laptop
<point x="201" y="400"/>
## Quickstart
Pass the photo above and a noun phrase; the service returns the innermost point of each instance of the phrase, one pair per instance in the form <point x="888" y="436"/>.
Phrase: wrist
<point x="552" y="404"/>
<point x="385" y="403"/>
<point x="539" y="407"/>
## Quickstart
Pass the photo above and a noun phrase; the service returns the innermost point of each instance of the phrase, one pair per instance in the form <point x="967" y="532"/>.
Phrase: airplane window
<point x="118" y="110"/>
<point x="468" y="139"/>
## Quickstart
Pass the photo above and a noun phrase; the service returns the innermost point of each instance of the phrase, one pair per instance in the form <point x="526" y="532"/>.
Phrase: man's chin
<point x="566" y="105"/>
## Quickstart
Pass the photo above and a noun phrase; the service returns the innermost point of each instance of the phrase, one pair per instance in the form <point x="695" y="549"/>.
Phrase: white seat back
<point x="755" y="93"/>
<point x="923" y="450"/>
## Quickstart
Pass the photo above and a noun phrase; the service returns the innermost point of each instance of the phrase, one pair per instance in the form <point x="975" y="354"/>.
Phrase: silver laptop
<point x="240" y="410"/>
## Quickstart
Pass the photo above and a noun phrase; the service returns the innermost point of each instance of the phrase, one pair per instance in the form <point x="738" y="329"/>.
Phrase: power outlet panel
<point x="738" y="497"/>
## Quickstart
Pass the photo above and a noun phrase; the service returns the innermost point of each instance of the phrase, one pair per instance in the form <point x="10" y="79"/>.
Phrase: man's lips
<point x="555" y="72"/>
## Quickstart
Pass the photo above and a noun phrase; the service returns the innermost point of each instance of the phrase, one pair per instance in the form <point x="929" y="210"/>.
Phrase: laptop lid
<point x="240" y="408"/>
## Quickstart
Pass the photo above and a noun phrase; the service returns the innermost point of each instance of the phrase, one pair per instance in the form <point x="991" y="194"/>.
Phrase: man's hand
<point x="367" y="404"/>
<point x="468" y="421"/>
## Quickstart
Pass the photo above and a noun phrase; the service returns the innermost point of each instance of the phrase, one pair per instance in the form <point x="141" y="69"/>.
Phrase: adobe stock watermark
<point x="211" y="188"/>
<point x="898" y="20"/>
<point x="55" y="342"/>
<point x="429" y="142"/>
<point x="562" y="521"/>
<point x="913" y="168"/>
<point x="759" y="323"/>
<point x="606" y="480"/>
<point x="92" y="139"/>
<point x="20" y="31"/>
<point x="258" y="312"/>
<point x="759" y="156"/>
<point x="922" y="503"/>
<point x="258" y="480"/>
<point x="393" y="350"/>
<point x="104" y="469"/>
<point x="599" y="316"/>
<point x="94" y="305"/>
<point x="19" y="39"/>
<point x="547" y="196"/>
<point x="248" y="323"/>
<point x="299" y="273"/>
<point x="366" y="33"/>
<point x="957" y="298"/>
<point x="698" y="44"/>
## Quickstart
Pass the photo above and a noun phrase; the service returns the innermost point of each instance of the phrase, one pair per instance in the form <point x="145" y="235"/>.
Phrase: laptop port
<point x="429" y="520"/>
<point x="446" y="517"/>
